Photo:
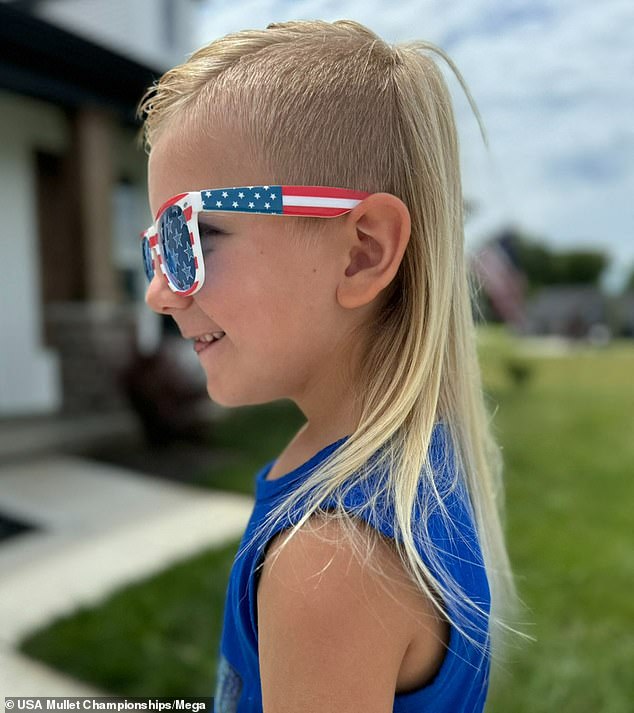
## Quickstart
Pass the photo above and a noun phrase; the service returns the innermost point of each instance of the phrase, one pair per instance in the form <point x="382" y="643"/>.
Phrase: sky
<point x="553" y="82"/>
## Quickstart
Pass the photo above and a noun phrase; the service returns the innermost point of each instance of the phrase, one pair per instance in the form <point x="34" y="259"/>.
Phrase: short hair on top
<point x="331" y="103"/>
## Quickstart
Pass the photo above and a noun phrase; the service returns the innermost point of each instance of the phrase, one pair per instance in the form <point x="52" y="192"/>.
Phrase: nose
<point x="160" y="298"/>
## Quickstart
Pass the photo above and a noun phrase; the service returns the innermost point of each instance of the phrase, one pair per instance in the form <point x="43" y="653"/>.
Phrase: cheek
<point x="273" y="303"/>
<point x="297" y="295"/>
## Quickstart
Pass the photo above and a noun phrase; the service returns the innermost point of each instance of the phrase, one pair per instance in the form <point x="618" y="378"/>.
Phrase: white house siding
<point x="29" y="373"/>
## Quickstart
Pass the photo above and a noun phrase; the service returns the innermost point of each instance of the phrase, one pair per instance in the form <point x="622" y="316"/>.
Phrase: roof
<point x="41" y="60"/>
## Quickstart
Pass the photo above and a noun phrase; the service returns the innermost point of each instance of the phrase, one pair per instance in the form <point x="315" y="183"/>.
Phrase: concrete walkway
<point x="102" y="527"/>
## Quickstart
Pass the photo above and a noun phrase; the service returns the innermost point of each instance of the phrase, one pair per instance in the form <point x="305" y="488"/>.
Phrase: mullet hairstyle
<point x="333" y="104"/>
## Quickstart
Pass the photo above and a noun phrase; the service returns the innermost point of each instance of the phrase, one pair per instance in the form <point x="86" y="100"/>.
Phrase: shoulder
<point x="335" y="621"/>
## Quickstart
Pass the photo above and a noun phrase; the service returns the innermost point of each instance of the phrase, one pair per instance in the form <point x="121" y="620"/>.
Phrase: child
<point x="309" y="239"/>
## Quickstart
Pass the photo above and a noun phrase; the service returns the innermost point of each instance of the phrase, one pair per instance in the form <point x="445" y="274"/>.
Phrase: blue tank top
<point x="461" y="683"/>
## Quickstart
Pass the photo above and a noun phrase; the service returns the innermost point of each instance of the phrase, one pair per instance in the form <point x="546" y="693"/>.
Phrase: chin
<point x="241" y="398"/>
<point x="226" y="399"/>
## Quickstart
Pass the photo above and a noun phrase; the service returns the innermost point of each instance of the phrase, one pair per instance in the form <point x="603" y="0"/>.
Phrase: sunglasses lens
<point x="176" y="248"/>
<point x="147" y="259"/>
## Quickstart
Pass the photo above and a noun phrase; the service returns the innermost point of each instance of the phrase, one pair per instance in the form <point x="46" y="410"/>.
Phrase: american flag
<point x="315" y="201"/>
<point x="179" y="256"/>
<point x="504" y="284"/>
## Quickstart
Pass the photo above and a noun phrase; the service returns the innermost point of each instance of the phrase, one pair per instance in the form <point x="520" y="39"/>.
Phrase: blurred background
<point x="124" y="490"/>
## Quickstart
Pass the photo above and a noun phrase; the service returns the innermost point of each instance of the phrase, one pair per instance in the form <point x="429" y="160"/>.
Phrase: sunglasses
<point x="174" y="236"/>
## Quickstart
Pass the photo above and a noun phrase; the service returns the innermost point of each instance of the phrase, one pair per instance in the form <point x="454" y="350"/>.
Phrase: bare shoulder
<point x="337" y="630"/>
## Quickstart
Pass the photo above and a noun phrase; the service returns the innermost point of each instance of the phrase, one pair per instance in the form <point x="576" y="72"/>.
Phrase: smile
<point x="203" y="344"/>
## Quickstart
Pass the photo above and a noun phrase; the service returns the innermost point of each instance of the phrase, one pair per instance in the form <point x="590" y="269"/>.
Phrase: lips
<point x="201" y="345"/>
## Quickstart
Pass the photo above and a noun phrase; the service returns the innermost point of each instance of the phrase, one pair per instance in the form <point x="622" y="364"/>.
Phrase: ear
<point x="376" y="234"/>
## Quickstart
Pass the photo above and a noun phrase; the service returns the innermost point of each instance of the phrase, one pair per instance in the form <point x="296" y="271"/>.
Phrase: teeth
<point x="210" y="337"/>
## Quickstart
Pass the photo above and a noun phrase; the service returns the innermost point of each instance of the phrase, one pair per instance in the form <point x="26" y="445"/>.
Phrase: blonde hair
<point x="336" y="105"/>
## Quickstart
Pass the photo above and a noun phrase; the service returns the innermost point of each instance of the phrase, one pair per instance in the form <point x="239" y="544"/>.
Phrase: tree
<point x="544" y="266"/>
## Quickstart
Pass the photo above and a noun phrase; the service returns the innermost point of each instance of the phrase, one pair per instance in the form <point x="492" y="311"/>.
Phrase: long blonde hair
<point x="336" y="105"/>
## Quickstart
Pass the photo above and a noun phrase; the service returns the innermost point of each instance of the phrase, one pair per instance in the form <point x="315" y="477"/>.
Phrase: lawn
<point x="566" y="425"/>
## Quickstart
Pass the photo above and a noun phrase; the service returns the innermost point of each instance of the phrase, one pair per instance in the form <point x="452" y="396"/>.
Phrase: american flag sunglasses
<point x="175" y="239"/>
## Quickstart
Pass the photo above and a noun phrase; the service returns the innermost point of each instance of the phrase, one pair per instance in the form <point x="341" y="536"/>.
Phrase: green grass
<point x="161" y="635"/>
<point x="569" y="455"/>
<point x="566" y="428"/>
<point x="158" y="637"/>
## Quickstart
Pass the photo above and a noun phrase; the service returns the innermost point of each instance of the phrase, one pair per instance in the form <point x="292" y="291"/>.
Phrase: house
<point x="567" y="310"/>
<point x="623" y="310"/>
<point x="73" y="193"/>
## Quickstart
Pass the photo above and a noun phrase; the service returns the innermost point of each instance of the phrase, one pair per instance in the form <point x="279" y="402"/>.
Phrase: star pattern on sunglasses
<point x="250" y="199"/>
<point x="179" y="256"/>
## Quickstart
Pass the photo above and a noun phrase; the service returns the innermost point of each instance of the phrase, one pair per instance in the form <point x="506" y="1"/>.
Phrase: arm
<point x="333" y="633"/>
